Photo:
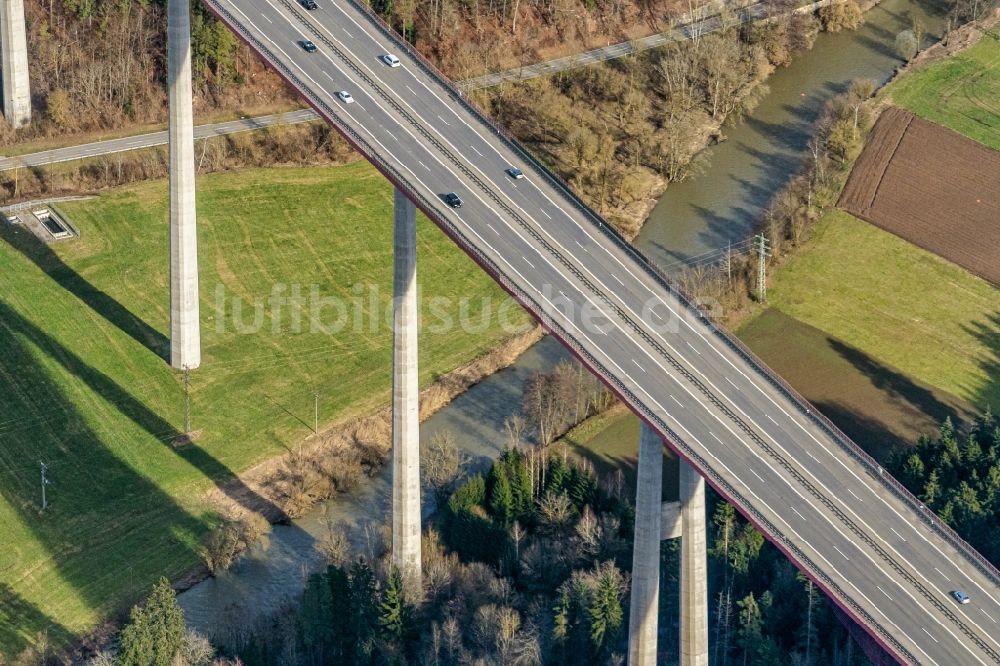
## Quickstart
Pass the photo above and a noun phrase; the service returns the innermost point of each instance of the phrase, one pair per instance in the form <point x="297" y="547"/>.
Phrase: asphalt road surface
<point x="870" y="547"/>
<point x="697" y="25"/>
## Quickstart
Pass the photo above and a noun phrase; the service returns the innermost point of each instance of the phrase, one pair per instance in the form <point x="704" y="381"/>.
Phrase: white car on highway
<point x="345" y="97"/>
<point x="389" y="59"/>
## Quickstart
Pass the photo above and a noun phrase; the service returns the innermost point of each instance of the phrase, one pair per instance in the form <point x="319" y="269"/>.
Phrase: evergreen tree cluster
<point x="155" y="632"/>
<point x="518" y="489"/>
<point x="347" y="618"/>
<point x="957" y="475"/>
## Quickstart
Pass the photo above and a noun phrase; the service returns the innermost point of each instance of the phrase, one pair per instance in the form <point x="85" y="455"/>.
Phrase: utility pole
<point x="763" y="252"/>
<point x="729" y="263"/>
<point x="45" y="482"/>
<point x="316" y="413"/>
<point x="187" y="402"/>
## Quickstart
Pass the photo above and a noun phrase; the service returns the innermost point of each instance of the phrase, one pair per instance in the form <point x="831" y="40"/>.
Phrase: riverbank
<point x="836" y="335"/>
<point x="262" y="580"/>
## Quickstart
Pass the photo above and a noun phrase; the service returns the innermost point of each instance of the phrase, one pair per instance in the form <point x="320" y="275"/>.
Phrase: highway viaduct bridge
<point x="884" y="559"/>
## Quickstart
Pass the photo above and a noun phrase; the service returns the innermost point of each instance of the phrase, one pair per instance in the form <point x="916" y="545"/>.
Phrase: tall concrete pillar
<point x="14" y="63"/>
<point x="694" y="576"/>
<point x="644" y="610"/>
<point x="405" y="399"/>
<point x="185" y="333"/>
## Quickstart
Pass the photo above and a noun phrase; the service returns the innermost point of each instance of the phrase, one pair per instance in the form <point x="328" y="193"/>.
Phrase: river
<point x="691" y="220"/>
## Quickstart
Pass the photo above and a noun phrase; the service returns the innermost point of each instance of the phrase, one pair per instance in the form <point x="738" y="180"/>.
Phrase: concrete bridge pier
<point x="694" y="575"/>
<point x="185" y="332"/>
<point x="656" y="520"/>
<point x="405" y="399"/>
<point x="14" y="63"/>
<point x="644" y="610"/>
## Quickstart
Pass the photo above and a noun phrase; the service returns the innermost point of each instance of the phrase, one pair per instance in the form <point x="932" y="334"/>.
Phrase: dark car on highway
<point x="309" y="4"/>
<point x="307" y="46"/>
<point x="453" y="200"/>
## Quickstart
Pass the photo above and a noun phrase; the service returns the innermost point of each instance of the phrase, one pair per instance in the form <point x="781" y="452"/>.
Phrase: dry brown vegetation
<point x="620" y="131"/>
<point x="99" y="65"/>
<point x="342" y="455"/>
<point x="730" y="285"/>
<point x="309" y="144"/>
<point x="932" y="187"/>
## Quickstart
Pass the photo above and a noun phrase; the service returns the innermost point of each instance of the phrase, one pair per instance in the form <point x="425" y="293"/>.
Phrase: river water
<point x="692" y="220"/>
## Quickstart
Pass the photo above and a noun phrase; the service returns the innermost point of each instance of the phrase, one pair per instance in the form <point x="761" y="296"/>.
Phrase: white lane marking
<point x="756" y="474"/>
<point x="493" y="228"/>
<point x="723" y="356"/>
<point x="347" y="33"/>
<point x="646" y="286"/>
<point x="527" y="262"/>
<point x="988" y="615"/>
<point x="692" y="347"/>
<point x="542" y="211"/>
<point x="942" y="574"/>
<point x="676" y="400"/>
<point x="898" y="534"/>
<point x="792" y="508"/>
<point x="842" y="553"/>
<point x="390" y="134"/>
<point x="929" y="634"/>
<point x="619" y="280"/>
<point x="411" y="89"/>
<point x="858" y="498"/>
<point x="477" y="151"/>
<point x="328" y="75"/>
<point x="884" y="592"/>
<point x="444" y="121"/>
<point x="771" y="419"/>
<point x="731" y="382"/>
<point x="423" y="165"/>
<point x="638" y="366"/>
<point x="267" y="19"/>
<point x="809" y="453"/>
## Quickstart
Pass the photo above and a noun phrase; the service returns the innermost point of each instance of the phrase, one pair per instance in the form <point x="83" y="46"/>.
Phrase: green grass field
<point x="887" y="339"/>
<point x="961" y="92"/>
<point x="85" y="388"/>
<point x="898" y="304"/>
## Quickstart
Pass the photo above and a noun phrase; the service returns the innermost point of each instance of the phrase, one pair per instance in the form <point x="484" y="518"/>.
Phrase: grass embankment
<point x="86" y="390"/>
<point x="961" y="92"/>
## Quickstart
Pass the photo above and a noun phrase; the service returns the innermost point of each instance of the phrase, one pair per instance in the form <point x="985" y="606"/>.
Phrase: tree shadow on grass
<point x="114" y="312"/>
<point x="896" y="385"/>
<point x="988" y="333"/>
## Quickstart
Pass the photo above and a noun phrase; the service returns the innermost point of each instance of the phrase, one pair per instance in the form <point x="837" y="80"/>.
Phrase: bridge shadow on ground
<point x="20" y="624"/>
<point x="114" y="312"/>
<point x="877" y="406"/>
<point x="110" y="531"/>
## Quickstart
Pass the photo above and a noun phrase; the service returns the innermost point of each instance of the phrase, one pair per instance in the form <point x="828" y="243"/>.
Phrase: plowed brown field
<point x="932" y="187"/>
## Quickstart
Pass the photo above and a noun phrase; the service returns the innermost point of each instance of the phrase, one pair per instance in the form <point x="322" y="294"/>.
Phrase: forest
<point x="528" y="564"/>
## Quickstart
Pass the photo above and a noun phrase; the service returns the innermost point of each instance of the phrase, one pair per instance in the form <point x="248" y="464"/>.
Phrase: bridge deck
<point x="846" y="524"/>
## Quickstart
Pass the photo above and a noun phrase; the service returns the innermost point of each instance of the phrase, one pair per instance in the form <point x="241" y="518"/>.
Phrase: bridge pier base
<point x="14" y="63"/>
<point x="185" y="332"/>
<point x="694" y="575"/>
<point x="405" y="399"/>
<point x="644" y="610"/>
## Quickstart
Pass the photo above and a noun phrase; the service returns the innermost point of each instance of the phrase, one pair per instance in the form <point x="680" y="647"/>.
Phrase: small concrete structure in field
<point x="49" y="220"/>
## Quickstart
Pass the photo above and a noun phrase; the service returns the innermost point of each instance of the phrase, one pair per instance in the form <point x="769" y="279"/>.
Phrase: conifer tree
<point x="155" y="632"/>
